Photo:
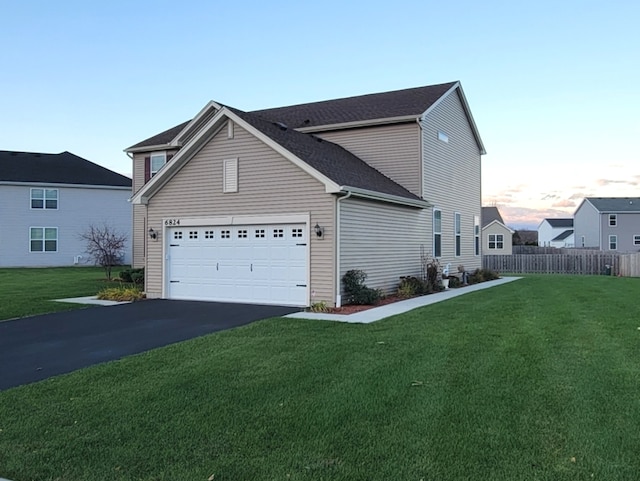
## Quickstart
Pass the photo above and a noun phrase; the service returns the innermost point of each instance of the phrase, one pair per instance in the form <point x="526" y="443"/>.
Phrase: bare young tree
<point x="105" y="246"/>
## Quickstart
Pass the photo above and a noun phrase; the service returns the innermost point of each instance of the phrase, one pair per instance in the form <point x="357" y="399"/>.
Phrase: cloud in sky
<point x="564" y="203"/>
<point x="606" y="182"/>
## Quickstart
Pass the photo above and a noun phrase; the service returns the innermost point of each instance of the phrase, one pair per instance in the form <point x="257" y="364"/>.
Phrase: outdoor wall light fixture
<point x="152" y="234"/>
<point x="319" y="231"/>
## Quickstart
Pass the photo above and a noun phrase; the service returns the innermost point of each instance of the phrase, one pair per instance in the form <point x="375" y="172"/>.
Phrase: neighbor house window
<point x="43" y="239"/>
<point x="613" y="242"/>
<point x="458" y="232"/>
<point x="157" y="162"/>
<point x="496" y="241"/>
<point x="613" y="220"/>
<point x="443" y="137"/>
<point x="44" y="198"/>
<point x="636" y="240"/>
<point x="582" y="240"/>
<point x="476" y="235"/>
<point x="437" y="233"/>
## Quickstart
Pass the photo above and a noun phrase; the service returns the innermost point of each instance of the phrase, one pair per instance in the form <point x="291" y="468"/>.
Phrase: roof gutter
<point x="379" y="196"/>
<point x="149" y="148"/>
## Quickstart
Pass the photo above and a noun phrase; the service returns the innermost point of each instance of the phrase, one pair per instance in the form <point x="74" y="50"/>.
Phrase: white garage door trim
<point x="300" y="220"/>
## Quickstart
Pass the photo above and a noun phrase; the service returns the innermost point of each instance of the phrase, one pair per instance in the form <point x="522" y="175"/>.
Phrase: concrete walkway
<point x="92" y="300"/>
<point x="377" y="313"/>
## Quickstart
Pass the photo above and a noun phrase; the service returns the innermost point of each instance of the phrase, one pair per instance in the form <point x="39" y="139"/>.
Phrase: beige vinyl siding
<point x="393" y="149"/>
<point x="267" y="184"/>
<point x="497" y="229"/>
<point x="139" y="235"/>
<point x="452" y="176"/>
<point x="383" y="240"/>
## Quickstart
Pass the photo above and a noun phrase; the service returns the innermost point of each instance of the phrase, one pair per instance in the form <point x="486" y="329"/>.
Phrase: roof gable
<point x="563" y="236"/>
<point x="63" y="168"/>
<point x="334" y="166"/>
<point x="496" y="222"/>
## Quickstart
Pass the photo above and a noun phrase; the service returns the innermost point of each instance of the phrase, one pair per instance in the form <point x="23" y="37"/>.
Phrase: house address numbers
<point x="170" y="222"/>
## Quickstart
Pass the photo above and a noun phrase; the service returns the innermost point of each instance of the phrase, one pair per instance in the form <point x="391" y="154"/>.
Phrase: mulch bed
<point x="351" y="309"/>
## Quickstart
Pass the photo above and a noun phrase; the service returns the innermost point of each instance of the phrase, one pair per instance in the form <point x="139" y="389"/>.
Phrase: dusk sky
<point x="554" y="87"/>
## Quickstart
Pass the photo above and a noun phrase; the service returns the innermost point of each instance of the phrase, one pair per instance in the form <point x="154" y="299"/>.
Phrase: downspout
<point x="338" y="285"/>
<point x="420" y="147"/>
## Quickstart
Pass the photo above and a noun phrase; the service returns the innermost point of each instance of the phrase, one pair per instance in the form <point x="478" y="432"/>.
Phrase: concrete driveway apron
<point x="36" y="348"/>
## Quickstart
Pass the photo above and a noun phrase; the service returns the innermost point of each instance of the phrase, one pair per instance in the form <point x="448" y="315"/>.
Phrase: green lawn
<point x="26" y="292"/>
<point x="537" y="379"/>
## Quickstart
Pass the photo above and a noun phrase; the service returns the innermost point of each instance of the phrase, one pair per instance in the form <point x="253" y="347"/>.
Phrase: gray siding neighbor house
<point x="274" y="206"/>
<point x="608" y="223"/>
<point x="49" y="200"/>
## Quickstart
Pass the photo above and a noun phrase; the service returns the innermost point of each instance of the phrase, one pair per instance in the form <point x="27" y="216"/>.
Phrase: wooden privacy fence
<point x="578" y="263"/>
<point x="630" y="265"/>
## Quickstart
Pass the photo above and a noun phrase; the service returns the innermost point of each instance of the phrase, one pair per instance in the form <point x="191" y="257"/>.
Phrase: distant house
<point x="497" y="238"/>
<point x="556" y="233"/>
<point x="48" y="200"/>
<point x="608" y="223"/>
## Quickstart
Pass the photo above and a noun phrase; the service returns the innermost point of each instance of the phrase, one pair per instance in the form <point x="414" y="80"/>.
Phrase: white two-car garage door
<point x="258" y="264"/>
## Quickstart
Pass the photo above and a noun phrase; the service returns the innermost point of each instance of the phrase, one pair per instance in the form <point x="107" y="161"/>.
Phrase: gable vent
<point x="230" y="175"/>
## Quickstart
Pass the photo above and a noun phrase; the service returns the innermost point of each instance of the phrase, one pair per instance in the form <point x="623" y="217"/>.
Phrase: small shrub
<point x="482" y="275"/>
<point x="411" y="286"/>
<point x="356" y="290"/>
<point x="454" y="281"/>
<point x="120" y="294"/>
<point x="135" y="276"/>
<point x="320" y="306"/>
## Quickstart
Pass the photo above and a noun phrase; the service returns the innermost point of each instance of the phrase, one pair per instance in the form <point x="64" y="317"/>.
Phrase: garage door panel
<point x="265" y="264"/>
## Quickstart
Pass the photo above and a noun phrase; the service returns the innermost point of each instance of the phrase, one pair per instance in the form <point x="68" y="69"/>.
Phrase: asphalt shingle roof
<point x="398" y="103"/>
<point x="616" y="204"/>
<point x="560" y="222"/>
<point x="335" y="162"/>
<point x="63" y="168"/>
<point x="563" y="236"/>
<point x="489" y="214"/>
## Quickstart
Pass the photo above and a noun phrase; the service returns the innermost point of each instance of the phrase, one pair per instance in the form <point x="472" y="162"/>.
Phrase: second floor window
<point x="157" y="162"/>
<point x="44" y="198"/>
<point x="613" y="220"/>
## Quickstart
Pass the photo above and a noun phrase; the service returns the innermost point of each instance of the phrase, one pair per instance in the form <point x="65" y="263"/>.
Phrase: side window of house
<point x="458" y="232"/>
<point x="636" y="240"/>
<point x="496" y="241"/>
<point x="613" y="220"/>
<point x="476" y="235"/>
<point x="437" y="233"/>
<point x="613" y="242"/>
<point x="44" y="198"/>
<point x="43" y="239"/>
<point x="157" y="162"/>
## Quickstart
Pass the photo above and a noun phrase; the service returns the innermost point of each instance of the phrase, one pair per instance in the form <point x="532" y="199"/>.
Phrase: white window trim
<point x="230" y="175"/>
<point x="636" y="239"/>
<point x="164" y="162"/>
<point x="615" y="241"/>
<point x="457" y="232"/>
<point x="44" y="240"/>
<point x="476" y="235"/>
<point x="44" y="198"/>
<point x="613" y="217"/>
<point x="437" y="233"/>
<point x="443" y="137"/>
<point x="496" y="240"/>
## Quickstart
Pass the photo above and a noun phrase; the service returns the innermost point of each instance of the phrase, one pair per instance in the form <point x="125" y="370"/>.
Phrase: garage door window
<point x="177" y="235"/>
<point x="193" y="234"/>
<point x="278" y="232"/>
<point x="225" y="234"/>
<point x="208" y="234"/>
<point x="259" y="233"/>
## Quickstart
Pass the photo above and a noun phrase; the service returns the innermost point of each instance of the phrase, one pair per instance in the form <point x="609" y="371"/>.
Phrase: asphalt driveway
<point x="36" y="348"/>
